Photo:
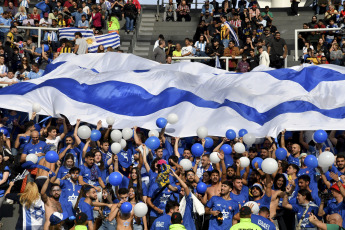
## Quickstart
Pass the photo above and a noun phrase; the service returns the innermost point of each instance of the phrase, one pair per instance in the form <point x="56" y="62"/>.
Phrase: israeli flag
<point x="68" y="33"/>
<point x="107" y="40"/>
<point x="137" y="91"/>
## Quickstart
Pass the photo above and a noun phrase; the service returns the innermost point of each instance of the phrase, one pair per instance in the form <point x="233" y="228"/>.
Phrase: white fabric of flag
<point x="137" y="91"/>
<point x="68" y="33"/>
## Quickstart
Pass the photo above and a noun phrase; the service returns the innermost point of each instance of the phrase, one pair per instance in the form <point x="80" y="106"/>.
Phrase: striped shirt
<point x="66" y="50"/>
<point x="200" y="46"/>
<point x="24" y="3"/>
<point x="3" y="69"/>
<point x="236" y="23"/>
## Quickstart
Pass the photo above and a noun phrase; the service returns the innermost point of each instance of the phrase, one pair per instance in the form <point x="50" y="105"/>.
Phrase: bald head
<point x="34" y="136"/>
<point x="335" y="219"/>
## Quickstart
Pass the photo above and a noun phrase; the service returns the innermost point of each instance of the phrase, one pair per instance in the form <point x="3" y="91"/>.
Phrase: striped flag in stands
<point x="69" y="32"/>
<point x="107" y="40"/>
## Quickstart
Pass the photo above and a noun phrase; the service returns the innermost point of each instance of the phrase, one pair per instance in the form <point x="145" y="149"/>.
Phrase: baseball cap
<point x="302" y="155"/>
<point x="45" y="14"/>
<point x="258" y="186"/>
<point x="245" y="211"/>
<point x="58" y="217"/>
<point x="336" y="187"/>
<point x="81" y="218"/>
<point x="160" y="162"/>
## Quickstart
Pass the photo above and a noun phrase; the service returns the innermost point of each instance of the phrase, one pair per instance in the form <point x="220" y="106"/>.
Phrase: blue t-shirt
<point x="125" y="158"/>
<point x="299" y="209"/>
<point x="74" y="152"/>
<point x="228" y="208"/>
<point x="86" y="208"/>
<point x="311" y="173"/>
<point x="243" y="197"/>
<point x="33" y="75"/>
<point x="161" y="223"/>
<point x="293" y="160"/>
<point x="23" y="141"/>
<point x="70" y="192"/>
<point x="40" y="147"/>
<point x="188" y="220"/>
<point x="6" y="169"/>
<point x="265" y="201"/>
<point x="161" y="200"/>
<point x="263" y="222"/>
<point x="334" y="207"/>
<point x="125" y="184"/>
<point x="63" y="171"/>
<point x="85" y="172"/>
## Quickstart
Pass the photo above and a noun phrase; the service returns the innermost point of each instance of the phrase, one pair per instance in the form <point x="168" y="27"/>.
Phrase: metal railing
<point x="221" y="58"/>
<point x="308" y="30"/>
<point x="34" y="28"/>
<point x="136" y="32"/>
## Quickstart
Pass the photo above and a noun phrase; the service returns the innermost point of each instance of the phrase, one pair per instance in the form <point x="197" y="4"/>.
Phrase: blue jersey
<point x="86" y="208"/>
<point x="293" y="160"/>
<point x="40" y="147"/>
<point x="188" y="220"/>
<point x="63" y="171"/>
<point x="161" y="223"/>
<point x="23" y="141"/>
<point x="334" y="207"/>
<point x="6" y="169"/>
<point x="228" y="208"/>
<point x="312" y="174"/>
<point x="70" y="193"/>
<point x="161" y="200"/>
<point x="125" y="184"/>
<point x="299" y="209"/>
<point x="125" y="158"/>
<point x="263" y="222"/>
<point x="75" y="154"/>
<point x="243" y="197"/>
<point x="265" y="201"/>
<point x="85" y="172"/>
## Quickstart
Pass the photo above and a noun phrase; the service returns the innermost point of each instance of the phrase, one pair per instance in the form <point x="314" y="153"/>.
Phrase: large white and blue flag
<point x="68" y="33"/>
<point x="137" y="91"/>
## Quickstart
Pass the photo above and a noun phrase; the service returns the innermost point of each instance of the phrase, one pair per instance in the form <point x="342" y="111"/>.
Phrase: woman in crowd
<point x="134" y="197"/>
<point x="107" y="197"/>
<point x="4" y="175"/>
<point x="68" y="164"/>
<point x="21" y="15"/>
<point x="97" y="19"/>
<point x="35" y="15"/>
<point x="130" y="12"/>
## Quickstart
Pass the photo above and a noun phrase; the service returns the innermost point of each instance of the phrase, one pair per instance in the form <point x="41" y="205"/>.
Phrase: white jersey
<point x="34" y="217"/>
<point x="54" y="142"/>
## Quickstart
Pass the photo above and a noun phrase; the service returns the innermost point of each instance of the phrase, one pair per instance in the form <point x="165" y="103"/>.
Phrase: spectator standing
<point x="5" y="21"/>
<point x="267" y="14"/>
<point x="277" y="49"/>
<point x="201" y="46"/>
<point x="321" y="7"/>
<point x="294" y="7"/>
<point x="232" y="51"/>
<point x="81" y="46"/>
<point x="243" y="66"/>
<point x="117" y="7"/>
<point x="159" y="53"/>
<point x="183" y="11"/>
<point x="130" y="12"/>
<point x="254" y="13"/>
<point x="97" y="19"/>
<point x="113" y="24"/>
<point x="245" y="220"/>
<point x="170" y="12"/>
<point x="336" y="55"/>
<point x="187" y="51"/>
<point x="264" y="57"/>
<point x="84" y="24"/>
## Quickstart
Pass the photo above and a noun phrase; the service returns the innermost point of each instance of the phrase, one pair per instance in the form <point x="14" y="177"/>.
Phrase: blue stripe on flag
<point x="143" y="103"/>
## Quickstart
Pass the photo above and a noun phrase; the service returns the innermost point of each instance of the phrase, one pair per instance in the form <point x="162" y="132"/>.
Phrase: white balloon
<point x="140" y="209"/>
<point x="202" y="132"/>
<point x="214" y="158"/>
<point x="255" y="208"/>
<point x="244" y="162"/>
<point x="36" y="107"/>
<point x="249" y="139"/>
<point x="269" y="165"/>
<point x="123" y="143"/>
<point x="115" y="148"/>
<point x="239" y="148"/>
<point x="154" y="132"/>
<point x="84" y="132"/>
<point x="116" y="135"/>
<point x="326" y="159"/>
<point x="127" y="133"/>
<point x="172" y="118"/>
<point x="110" y="120"/>
<point x="186" y="164"/>
<point x="32" y="157"/>
<point x="259" y="140"/>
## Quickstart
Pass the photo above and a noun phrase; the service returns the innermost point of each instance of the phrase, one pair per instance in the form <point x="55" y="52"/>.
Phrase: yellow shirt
<point x="11" y="37"/>
<point x="177" y="53"/>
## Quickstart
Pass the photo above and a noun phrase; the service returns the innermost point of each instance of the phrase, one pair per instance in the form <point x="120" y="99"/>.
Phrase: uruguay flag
<point x="107" y="40"/>
<point x="137" y="91"/>
<point x="68" y="33"/>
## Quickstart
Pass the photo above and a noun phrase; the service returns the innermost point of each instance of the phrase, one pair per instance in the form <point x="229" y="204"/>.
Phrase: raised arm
<point x="161" y="135"/>
<point x="217" y="148"/>
<point x="85" y="147"/>
<point x="107" y="132"/>
<point x="186" y="189"/>
<point x="63" y="153"/>
<point x="137" y="140"/>
<point x="332" y="137"/>
<point x="147" y="166"/>
<point x="177" y="139"/>
<point x="75" y="134"/>
<point x="269" y="185"/>
<point x="54" y="179"/>
<point x="43" y="191"/>
<point x="302" y="142"/>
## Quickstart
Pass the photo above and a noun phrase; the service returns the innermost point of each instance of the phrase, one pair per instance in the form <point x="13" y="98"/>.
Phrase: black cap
<point x="245" y="211"/>
<point x="81" y="218"/>
<point x="176" y="218"/>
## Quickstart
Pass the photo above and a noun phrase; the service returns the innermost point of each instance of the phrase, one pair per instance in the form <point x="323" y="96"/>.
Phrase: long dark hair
<point x="278" y="176"/>
<point x="139" y="182"/>
<point x="68" y="156"/>
<point x="109" y="189"/>
<point x="84" y="189"/>
<point x="101" y="166"/>
<point x="306" y="193"/>
<point x="138" y="197"/>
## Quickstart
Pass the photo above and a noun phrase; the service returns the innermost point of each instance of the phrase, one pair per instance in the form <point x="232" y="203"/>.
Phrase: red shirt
<point x="67" y="4"/>
<point x="35" y="17"/>
<point x="137" y="4"/>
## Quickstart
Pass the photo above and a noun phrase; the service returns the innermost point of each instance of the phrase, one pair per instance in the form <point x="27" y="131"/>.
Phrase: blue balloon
<point x="46" y="47"/>
<point x="161" y="122"/>
<point x="230" y="134"/>
<point x="126" y="208"/>
<point x="311" y="161"/>
<point x="52" y="156"/>
<point x="257" y="159"/>
<point x="320" y="136"/>
<point x="208" y="142"/>
<point x="153" y="142"/>
<point x="226" y="149"/>
<point x="281" y="153"/>
<point x="95" y="135"/>
<point x="242" y="132"/>
<point x="201" y="188"/>
<point x="115" y="178"/>
<point x="197" y="150"/>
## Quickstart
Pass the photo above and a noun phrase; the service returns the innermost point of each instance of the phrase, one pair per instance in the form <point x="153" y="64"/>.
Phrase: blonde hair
<point x="22" y="9"/>
<point x="30" y="195"/>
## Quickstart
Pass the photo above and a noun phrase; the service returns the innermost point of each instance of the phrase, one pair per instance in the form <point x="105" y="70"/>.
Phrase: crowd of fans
<point x="228" y="29"/>
<point x="326" y="47"/>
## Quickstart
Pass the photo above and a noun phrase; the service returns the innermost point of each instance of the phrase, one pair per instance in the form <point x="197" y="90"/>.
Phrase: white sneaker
<point x="9" y="201"/>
